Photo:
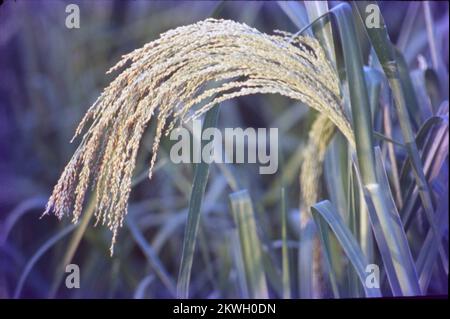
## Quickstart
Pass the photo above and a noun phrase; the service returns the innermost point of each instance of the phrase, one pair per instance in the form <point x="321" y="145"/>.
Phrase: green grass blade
<point x="435" y="147"/>
<point x="236" y="252"/>
<point x="336" y="170"/>
<point x="354" y="225"/>
<point x="421" y="137"/>
<point x="324" y="212"/>
<point x="434" y="130"/>
<point x="72" y="248"/>
<point x="250" y="244"/>
<point x="374" y="80"/>
<point x="327" y="253"/>
<point x="362" y="120"/>
<point x="366" y="229"/>
<point x="384" y="184"/>
<point x="322" y="30"/>
<point x="284" y="249"/>
<point x="386" y="55"/>
<point x="426" y="261"/>
<point x="397" y="246"/>
<point x="410" y="94"/>
<point x="198" y="190"/>
<point x="381" y="240"/>
<point x="430" y="34"/>
<point x="305" y="257"/>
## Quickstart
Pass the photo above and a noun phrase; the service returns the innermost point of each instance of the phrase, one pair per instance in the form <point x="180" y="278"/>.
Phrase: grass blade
<point x="435" y="131"/>
<point x="284" y="250"/>
<point x="426" y="261"/>
<point x="430" y="34"/>
<point x="250" y="244"/>
<point x="305" y="257"/>
<point x="354" y="222"/>
<point x="381" y="240"/>
<point x="324" y="211"/>
<point x="392" y="232"/>
<point x="386" y="54"/>
<point x="410" y="94"/>
<point x="192" y="225"/>
<point x="236" y="252"/>
<point x="322" y="30"/>
<point x="384" y="186"/>
<point x="328" y="257"/>
<point x="72" y="248"/>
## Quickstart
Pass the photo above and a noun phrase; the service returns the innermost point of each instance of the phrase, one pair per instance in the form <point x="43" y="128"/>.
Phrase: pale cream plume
<point x="165" y="81"/>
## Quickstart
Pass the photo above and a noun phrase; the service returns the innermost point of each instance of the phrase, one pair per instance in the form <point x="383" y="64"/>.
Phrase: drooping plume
<point x="165" y="82"/>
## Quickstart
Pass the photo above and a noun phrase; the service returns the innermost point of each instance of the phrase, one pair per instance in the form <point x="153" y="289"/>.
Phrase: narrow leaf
<point x="250" y="244"/>
<point x="324" y="211"/>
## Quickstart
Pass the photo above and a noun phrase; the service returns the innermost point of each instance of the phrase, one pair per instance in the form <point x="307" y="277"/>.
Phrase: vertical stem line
<point x="198" y="190"/>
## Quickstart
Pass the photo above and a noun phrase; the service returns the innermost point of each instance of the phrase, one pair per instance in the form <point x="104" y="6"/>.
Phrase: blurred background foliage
<point x="49" y="76"/>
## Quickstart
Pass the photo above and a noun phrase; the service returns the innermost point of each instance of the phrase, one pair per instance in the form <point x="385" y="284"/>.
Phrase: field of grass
<point x="358" y="207"/>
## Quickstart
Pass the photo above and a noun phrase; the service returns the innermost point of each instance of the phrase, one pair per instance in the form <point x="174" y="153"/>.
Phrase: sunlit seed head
<point x="321" y="132"/>
<point x="165" y="79"/>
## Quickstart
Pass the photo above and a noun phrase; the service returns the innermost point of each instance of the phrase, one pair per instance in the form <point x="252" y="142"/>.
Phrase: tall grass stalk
<point x="250" y="245"/>
<point x="390" y="234"/>
<point x="72" y="248"/>
<point x="324" y="211"/>
<point x="405" y="271"/>
<point x="201" y="173"/>
<point x="320" y="135"/>
<point x="386" y="54"/>
<point x="284" y="249"/>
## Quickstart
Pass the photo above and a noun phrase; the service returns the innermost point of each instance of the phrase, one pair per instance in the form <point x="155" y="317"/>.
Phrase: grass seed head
<point x="320" y="135"/>
<point x="164" y="82"/>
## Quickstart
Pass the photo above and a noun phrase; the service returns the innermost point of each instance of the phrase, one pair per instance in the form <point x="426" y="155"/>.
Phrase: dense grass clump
<point x="357" y="209"/>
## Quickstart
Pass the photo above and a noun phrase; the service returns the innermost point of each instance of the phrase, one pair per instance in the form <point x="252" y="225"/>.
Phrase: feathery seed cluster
<point x="166" y="82"/>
